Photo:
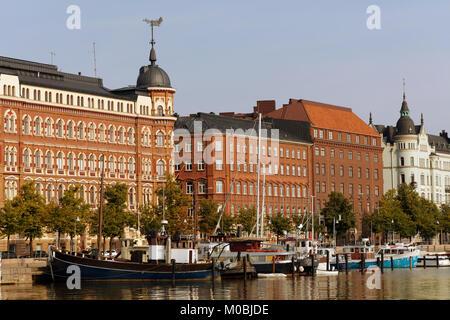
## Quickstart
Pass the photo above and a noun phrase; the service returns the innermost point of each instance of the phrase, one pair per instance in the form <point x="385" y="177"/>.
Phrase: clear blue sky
<point x="225" y="55"/>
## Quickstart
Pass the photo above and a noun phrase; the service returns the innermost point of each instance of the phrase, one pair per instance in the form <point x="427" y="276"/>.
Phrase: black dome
<point x="405" y="125"/>
<point x="152" y="76"/>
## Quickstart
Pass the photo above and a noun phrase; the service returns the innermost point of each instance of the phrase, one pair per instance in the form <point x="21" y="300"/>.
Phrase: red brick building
<point x="346" y="154"/>
<point x="222" y="164"/>
<point x="56" y="129"/>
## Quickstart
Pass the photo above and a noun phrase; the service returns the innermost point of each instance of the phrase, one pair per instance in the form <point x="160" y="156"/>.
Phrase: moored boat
<point x="147" y="263"/>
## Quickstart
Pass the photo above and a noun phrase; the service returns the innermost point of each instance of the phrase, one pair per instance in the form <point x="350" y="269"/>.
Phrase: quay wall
<point x="20" y="271"/>
<point x="428" y="248"/>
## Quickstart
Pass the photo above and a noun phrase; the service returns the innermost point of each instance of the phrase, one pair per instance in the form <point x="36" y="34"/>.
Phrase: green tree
<point x="279" y="224"/>
<point x="150" y="221"/>
<point x="340" y="209"/>
<point x="9" y="222"/>
<point x="176" y="204"/>
<point x="31" y="207"/>
<point x="209" y="216"/>
<point x="116" y="215"/>
<point x="444" y="218"/>
<point x="70" y="215"/>
<point x="247" y="218"/>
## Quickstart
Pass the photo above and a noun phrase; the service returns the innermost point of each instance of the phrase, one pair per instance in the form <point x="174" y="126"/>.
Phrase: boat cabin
<point x="245" y="244"/>
<point x="360" y="247"/>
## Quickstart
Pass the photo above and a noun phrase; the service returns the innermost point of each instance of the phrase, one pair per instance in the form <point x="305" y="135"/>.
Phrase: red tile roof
<point x="324" y="116"/>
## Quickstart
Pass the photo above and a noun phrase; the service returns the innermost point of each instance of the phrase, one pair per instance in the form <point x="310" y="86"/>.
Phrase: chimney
<point x="264" y="106"/>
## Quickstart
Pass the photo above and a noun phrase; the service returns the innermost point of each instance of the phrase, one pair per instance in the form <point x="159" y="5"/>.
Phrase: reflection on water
<point x="397" y="284"/>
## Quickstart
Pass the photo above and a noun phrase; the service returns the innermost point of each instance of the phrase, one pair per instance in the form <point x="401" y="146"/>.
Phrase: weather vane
<point x="153" y="23"/>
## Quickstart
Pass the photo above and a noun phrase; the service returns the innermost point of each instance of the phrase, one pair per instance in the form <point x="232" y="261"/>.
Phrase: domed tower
<point x="156" y="82"/>
<point x="407" y="144"/>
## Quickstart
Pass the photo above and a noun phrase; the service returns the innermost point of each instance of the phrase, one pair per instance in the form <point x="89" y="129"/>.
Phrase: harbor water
<point x="415" y="284"/>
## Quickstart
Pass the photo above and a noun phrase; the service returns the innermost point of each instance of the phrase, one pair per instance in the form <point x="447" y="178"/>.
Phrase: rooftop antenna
<point x="153" y="23"/>
<point x="95" y="61"/>
<point x="52" y="54"/>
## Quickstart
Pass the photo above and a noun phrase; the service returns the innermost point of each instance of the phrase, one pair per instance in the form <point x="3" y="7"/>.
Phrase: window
<point x="219" y="186"/>
<point x="350" y="155"/>
<point x="322" y="152"/>
<point x="350" y="172"/>
<point x="350" y="188"/>
<point x="330" y="135"/>
<point x="60" y="161"/>
<point x="218" y="145"/>
<point x="160" y="139"/>
<point x="219" y="165"/>
<point x="359" y="172"/>
<point x="200" y="165"/>
<point x="188" y="165"/>
<point x="81" y="162"/>
<point x="367" y="173"/>
<point x="402" y="161"/>
<point x="201" y="187"/>
<point x="200" y="146"/>
<point x="188" y="147"/>
<point x="341" y="171"/>
<point x="332" y="153"/>
<point x="304" y="155"/>
<point x="375" y="174"/>
<point x="160" y="168"/>
<point x="81" y="130"/>
<point x="70" y="161"/>
<point x="189" y="187"/>
<point x="341" y="154"/>
<point x="332" y="169"/>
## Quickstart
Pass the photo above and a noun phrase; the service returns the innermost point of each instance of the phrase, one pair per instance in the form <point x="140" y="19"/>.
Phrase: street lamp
<point x="74" y="247"/>
<point x="392" y="222"/>
<point x="440" y="237"/>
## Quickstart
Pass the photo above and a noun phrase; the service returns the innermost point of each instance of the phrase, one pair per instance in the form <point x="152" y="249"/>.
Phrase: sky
<point x="225" y="55"/>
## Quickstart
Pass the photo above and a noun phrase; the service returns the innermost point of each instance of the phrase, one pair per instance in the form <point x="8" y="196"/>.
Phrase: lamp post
<point x="440" y="236"/>
<point x="392" y="222"/>
<point x="74" y="246"/>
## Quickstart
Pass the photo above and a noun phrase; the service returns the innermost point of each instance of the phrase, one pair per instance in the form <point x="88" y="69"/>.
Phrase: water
<point x="430" y="283"/>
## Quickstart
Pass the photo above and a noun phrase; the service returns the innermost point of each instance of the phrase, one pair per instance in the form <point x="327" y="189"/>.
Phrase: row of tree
<point x="402" y="211"/>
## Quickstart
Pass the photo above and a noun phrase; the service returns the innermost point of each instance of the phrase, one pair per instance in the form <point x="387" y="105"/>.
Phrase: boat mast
<point x="100" y="211"/>
<point x="259" y="159"/>
<point x="262" y="206"/>
<point x="312" y="220"/>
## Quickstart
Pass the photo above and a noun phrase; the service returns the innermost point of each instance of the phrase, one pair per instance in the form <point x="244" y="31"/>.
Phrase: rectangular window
<point x="188" y="166"/>
<point x="188" y="147"/>
<point x="200" y="146"/>
<point x="201" y="165"/>
<point x="219" y="165"/>
<point x="350" y="156"/>
<point x="330" y="135"/>
<point x="219" y="145"/>
<point x="219" y="186"/>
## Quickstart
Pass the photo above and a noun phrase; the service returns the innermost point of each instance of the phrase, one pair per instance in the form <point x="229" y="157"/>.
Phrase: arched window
<point x="160" y="111"/>
<point x="160" y="139"/>
<point x="49" y="192"/>
<point x="111" y="164"/>
<point x="121" y="164"/>
<point x="70" y="129"/>
<point x="112" y="133"/>
<point x="101" y="132"/>
<point x="92" y="163"/>
<point x="49" y="127"/>
<point x="59" y="128"/>
<point x="131" y="197"/>
<point x="48" y="160"/>
<point x="91" y="131"/>
<point x="70" y="161"/>
<point x="92" y="195"/>
<point x="60" y="161"/>
<point x="130" y="136"/>
<point x="81" y="160"/>
<point x="60" y="192"/>
<point x="130" y="165"/>
<point x="37" y="158"/>
<point x="81" y="130"/>
<point x="26" y="125"/>
<point x="121" y="134"/>
<point x="37" y="126"/>
<point x="160" y="168"/>
<point x="26" y="158"/>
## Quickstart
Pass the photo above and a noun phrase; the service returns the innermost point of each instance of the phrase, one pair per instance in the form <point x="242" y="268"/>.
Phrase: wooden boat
<point x="162" y="264"/>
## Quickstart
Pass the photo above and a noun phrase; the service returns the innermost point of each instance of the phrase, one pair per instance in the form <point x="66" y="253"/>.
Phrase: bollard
<point x="346" y="263"/>
<point x="337" y="261"/>
<point x="173" y="270"/>
<point x="328" y="260"/>
<point x="392" y="263"/>
<point x="293" y="267"/>
<point x="363" y="263"/>
<point x="313" y="270"/>
<point x="437" y="261"/>
<point x="410" y="262"/>
<point x="424" y="262"/>
<point x="382" y="261"/>
<point x="212" y="268"/>
<point x="273" y="264"/>
<point x="244" y="261"/>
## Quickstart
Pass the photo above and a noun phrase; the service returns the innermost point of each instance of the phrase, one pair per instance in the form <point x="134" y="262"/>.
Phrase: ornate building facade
<point x="57" y="129"/>
<point x="414" y="157"/>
